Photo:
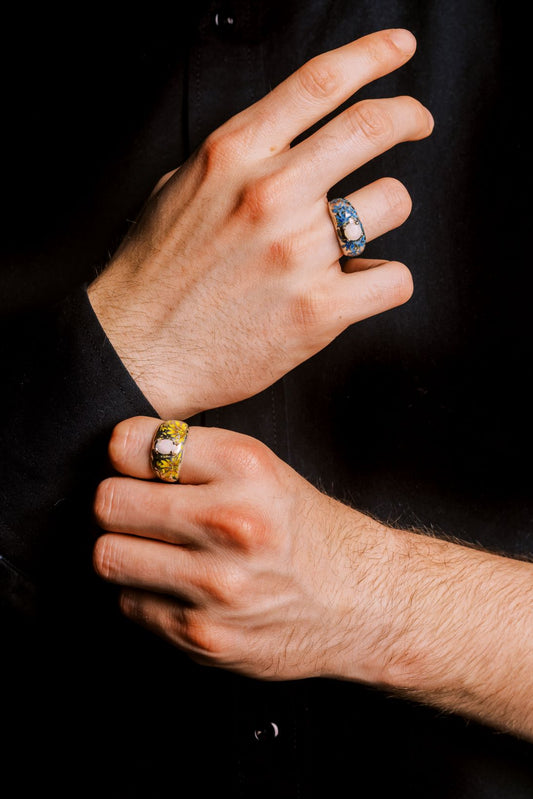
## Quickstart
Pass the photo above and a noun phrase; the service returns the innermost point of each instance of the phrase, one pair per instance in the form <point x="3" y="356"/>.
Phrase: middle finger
<point x="353" y="138"/>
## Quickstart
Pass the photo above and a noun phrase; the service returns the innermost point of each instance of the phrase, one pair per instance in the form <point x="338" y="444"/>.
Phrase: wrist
<point x="137" y="347"/>
<point x="368" y="610"/>
<point x="425" y="603"/>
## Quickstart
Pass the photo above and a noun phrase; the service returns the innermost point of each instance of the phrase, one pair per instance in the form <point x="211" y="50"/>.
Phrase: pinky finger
<point x="372" y="290"/>
<point x="157" y="612"/>
<point x="178" y="622"/>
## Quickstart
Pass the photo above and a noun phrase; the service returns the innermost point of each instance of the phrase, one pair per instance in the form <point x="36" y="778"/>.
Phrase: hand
<point x="231" y="276"/>
<point x="246" y="566"/>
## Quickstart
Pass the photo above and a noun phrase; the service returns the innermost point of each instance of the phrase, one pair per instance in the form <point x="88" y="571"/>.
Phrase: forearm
<point x="284" y="582"/>
<point x="458" y="629"/>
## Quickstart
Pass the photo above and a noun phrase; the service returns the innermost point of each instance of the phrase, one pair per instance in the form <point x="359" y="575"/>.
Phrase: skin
<point x="234" y="267"/>
<point x="234" y="262"/>
<point x="247" y="566"/>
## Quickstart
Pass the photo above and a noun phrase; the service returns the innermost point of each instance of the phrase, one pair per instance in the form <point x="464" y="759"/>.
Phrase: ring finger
<point x="381" y="207"/>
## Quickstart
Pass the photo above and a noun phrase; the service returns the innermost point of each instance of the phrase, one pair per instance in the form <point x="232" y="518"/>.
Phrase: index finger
<point x="322" y="84"/>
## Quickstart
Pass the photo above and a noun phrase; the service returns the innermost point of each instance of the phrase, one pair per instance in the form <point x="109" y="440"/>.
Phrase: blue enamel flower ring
<point x="348" y="227"/>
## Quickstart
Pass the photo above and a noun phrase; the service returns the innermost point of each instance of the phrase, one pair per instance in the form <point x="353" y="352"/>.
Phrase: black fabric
<point x="424" y="411"/>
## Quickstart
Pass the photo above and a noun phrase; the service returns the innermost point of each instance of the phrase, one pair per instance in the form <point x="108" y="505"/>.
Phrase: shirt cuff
<point x="64" y="390"/>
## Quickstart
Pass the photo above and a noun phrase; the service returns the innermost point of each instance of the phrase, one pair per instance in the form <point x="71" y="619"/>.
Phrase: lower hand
<point x="244" y="565"/>
<point x="247" y="567"/>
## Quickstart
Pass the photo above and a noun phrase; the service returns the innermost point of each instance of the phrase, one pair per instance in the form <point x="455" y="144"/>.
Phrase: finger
<point x="322" y="85"/>
<point x="353" y="138"/>
<point x="153" y="510"/>
<point x="168" y="618"/>
<point x="209" y="453"/>
<point x="152" y="566"/>
<point x="130" y="445"/>
<point x="160" y="614"/>
<point x="381" y="206"/>
<point x="367" y="292"/>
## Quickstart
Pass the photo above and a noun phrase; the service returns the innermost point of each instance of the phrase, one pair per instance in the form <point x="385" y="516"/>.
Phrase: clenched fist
<point x="246" y="566"/>
<point x="243" y="564"/>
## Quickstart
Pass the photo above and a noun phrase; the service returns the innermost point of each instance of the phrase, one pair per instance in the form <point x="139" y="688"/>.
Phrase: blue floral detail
<point x="342" y="212"/>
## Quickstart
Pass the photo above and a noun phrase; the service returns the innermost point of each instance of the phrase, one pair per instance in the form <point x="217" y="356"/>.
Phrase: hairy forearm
<point x="284" y="582"/>
<point x="459" y="632"/>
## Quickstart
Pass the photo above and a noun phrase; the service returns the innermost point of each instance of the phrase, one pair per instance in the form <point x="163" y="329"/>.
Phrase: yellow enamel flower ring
<point x="167" y="450"/>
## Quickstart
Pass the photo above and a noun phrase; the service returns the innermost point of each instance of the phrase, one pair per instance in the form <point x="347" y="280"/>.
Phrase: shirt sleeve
<point x="63" y="390"/>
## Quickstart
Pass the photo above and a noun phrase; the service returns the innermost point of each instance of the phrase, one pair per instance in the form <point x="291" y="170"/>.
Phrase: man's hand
<point x="246" y="566"/>
<point x="243" y="564"/>
<point x="231" y="277"/>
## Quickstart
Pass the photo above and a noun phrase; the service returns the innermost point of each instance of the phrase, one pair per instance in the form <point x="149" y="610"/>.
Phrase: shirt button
<point x="267" y="733"/>
<point x="224" y="21"/>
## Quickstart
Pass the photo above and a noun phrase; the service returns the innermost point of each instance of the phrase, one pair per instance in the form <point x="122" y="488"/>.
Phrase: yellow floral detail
<point x="166" y="459"/>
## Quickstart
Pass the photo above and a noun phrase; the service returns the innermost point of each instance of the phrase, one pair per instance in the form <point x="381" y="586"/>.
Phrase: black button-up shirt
<point x="423" y="412"/>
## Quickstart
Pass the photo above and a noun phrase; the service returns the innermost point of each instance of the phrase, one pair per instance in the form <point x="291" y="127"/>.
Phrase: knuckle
<point x="261" y="197"/>
<point x="230" y="588"/>
<point x="247" y="456"/>
<point x="173" y="622"/>
<point x="131" y="606"/>
<point x="106" y="560"/>
<point x="157" y="504"/>
<point x="308" y="311"/>
<point x="369" y="120"/>
<point x="204" y="636"/>
<point x="281" y="252"/>
<point x="120" y="442"/>
<point x="379" y="49"/>
<point x="220" y="150"/>
<point x="422" y="121"/>
<point x="252" y="203"/>
<point x="240" y="525"/>
<point x="127" y="605"/>
<point x="383" y="47"/>
<point x="318" y="79"/>
<point x="106" y="503"/>
<point x="397" y="289"/>
<point x="250" y="527"/>
<point x="402" y="287"/>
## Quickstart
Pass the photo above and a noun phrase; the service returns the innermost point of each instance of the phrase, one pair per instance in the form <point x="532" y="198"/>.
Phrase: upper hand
<point x="231" y="276"/>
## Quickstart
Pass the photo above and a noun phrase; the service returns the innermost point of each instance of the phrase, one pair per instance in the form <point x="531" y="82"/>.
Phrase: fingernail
<point x="403" y="39"/>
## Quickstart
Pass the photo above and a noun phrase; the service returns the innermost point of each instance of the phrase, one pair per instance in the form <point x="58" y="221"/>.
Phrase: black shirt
<point x="426" y="407"/>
